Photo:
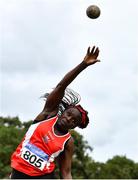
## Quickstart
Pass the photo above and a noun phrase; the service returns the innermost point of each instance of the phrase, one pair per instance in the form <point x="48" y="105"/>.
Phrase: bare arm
<point x="55" y="97"/>
<point x="65" y="159"/>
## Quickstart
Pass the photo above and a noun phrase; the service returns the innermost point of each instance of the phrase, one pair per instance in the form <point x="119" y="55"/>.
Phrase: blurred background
<point x="41" y="40"/>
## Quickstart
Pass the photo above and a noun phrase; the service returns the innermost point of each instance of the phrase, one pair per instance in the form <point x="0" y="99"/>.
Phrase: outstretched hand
<point x="91" y="56"/>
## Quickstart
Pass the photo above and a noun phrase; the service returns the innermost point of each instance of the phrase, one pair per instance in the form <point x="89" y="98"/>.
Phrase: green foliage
<point x="120" y="167"/>
<point x="81" y="159"/>
<point x="8" y="121"/>
<point x="12" y="131"/>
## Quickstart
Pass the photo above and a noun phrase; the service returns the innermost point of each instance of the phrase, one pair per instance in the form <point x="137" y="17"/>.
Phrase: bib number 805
<point x="33" y="159"/>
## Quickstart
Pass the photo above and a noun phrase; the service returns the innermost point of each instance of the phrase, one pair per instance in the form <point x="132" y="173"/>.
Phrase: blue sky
<point x="41" y="40"/>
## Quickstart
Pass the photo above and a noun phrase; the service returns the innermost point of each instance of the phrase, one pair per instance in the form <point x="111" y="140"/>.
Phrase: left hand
<point x="91" y="56"/>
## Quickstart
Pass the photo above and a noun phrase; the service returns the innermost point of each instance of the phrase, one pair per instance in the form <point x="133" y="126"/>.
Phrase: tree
<point x="12" y="131"/>
<point x="120" y="167"/>
<point x="81" y="158"/>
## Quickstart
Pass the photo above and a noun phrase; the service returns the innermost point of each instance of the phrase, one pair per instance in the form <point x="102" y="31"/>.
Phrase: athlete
<point x="48" y="138"/>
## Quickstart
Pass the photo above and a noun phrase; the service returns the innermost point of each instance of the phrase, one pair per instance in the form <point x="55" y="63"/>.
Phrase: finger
<point x="88" y="50"/>
<point x="96" y="53"/>
<point x="96" y="61"/>
<point x="92" y="50"/>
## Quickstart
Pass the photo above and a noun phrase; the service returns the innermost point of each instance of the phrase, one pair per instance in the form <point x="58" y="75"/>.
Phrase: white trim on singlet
<point x="29" y="134"/>
<point x="33" y="127"/>
<point x="54" y="131"/>
<point x="63" y="146"/>
<point x="31" y="130"/>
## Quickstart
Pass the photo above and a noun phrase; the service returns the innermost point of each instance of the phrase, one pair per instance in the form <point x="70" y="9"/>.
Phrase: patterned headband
<point x="83" y="113"/>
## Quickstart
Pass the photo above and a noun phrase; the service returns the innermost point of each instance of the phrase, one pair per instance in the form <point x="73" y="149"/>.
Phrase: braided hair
<point x="71" y="99"/>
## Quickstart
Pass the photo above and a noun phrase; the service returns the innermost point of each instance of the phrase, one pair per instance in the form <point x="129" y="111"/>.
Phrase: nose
<point x="68" y="119"/>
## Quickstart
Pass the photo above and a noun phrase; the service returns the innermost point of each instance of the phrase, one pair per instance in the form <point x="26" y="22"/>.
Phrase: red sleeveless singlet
<point x="36" y="153"/>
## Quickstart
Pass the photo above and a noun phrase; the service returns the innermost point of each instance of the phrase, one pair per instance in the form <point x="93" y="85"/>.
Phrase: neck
<point x="59" y="131"/>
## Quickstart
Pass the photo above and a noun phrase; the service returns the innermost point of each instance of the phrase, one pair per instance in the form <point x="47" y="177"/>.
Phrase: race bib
<point x="34" y="156"/>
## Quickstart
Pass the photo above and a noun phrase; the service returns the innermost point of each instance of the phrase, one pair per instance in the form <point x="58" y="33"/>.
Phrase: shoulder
<point x="68" y="150"/>
<point x="70" y="144"/>
<point x="44" y="116"/>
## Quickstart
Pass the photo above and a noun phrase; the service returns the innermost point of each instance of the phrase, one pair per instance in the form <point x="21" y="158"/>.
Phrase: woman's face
<point x="70" y="118"/>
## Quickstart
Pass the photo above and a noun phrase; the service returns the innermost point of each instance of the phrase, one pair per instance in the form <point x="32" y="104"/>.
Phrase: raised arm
<point x="55" y="97"/>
